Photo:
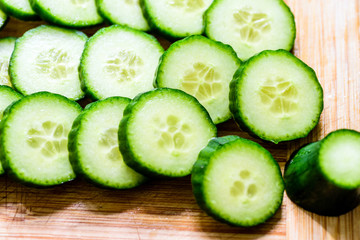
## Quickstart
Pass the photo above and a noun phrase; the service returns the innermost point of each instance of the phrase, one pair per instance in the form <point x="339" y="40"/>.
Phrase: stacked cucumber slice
<point x="6" y="48"/>
<point x="20" y="9"/>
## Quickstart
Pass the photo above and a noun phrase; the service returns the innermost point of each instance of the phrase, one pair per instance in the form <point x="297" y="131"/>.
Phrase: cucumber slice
<point x="119" y="61"/>
<point x="68" y="13"/>
<point x="163" y="131"/>
<point x="6" y="48"/>
<point x="3" y="19"/>
<point x="34" y="136"/>
<point x="237" y="181"/>
<point x="19" y="9"/>
<point x="176" y="18"/>
<point x="94" y="149"/>
<point x="324" y="177"/>
<point x="251" y="26"/>
<point x="47" y="58"/>
<point x="123" y="12"/>
<point x="206" y="69"/>
<point x="276" y="96"/>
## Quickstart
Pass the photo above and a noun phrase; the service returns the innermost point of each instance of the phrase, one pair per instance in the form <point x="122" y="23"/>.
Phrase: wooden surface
<point x="328" y="40"/>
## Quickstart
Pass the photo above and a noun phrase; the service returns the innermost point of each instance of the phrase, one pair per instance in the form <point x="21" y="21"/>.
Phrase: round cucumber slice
<point x="276" y="96"/>
<point x="119" y="61"/>
<point x="47" y="58"/>
<point x="176" y="18"/>
<point x="68" y="13"/>
<point x="19" y="9"/>
<point x="123" y="12"/>
<point x="6" y="48"/>
<point x="202" y="68"/>
<point x="251" y="26"/>
<point x="94" y="148"/>
<point x="237" y="181"/>
<point x="163" y="131"/>
<point x="34" y="139"/>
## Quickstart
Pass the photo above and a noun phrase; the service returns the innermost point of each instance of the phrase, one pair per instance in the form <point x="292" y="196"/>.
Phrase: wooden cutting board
<point x="328" y="40"/>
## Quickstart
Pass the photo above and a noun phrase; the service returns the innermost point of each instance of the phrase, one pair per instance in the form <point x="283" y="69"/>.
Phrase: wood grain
<point x="328" y="40"/>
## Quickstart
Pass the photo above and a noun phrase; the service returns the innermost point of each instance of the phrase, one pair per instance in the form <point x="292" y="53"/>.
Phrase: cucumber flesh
<point x="202" y="68"/>
<point x="276" y="96"/>
<point x="19" y="9"/>
<point x="47" y="58"/>
<point x="34" y="137"/>
<point x="3" y="19"/>
<point x="237" y="181"/>
<point x="6" y="48"/>
<point x="251" y="26"/>
<point x="123" y="12"/>
<point x="162" y="132"/>
<point x="94" y="148"/>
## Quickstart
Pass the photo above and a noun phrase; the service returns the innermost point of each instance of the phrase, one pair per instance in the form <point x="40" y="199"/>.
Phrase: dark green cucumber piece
<point x="6" y="48"/>
<point x="202" y="68"/>
<point x="94" y="148"/>
<point x="34" y="136"/>
<point x="237" y="181"/>
<point x="163" y="131"/>
<point x="19" y="9"/>
<point x="276" y="96"/>
<point x="251" y="26"/>
<point x="68" y="13"/>
<point x="176" y="18"/>
<point x="324" y="177"/>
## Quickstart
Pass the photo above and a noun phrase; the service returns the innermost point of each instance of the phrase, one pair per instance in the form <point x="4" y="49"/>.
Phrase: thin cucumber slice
<point x="94" y="149"/>
<point x="34" y="136"/>
<point x="6" y="48"/>
<point x="3" y="19"/>
<point x="119" y="61"/>
<point x="163" y="131"/>
<point x="237" y="181"/>
<point x="47" y="58"/>
<point x="176" y="18"/>
<point x="203" y="68"/>
<point x="324" y="177"/>
<point x="276" y="96"/>
<point x="251" y="26"/>
<point x="19" y="9"/>
<point x="123" y="12"/>
<point x="68" y="13"/>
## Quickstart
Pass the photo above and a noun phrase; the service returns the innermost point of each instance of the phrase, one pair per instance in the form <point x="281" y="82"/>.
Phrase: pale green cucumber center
<point x="109" y="143"/>
<point x="188" y="5"/>
<point x="202" y="81"/>
<point x="80" y="3"/>
<point x="4" y="72"/>
<point x="340" y="159"/>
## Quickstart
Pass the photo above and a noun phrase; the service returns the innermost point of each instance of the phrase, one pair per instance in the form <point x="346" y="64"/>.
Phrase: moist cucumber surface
<point x="202" y="68"/>
<point x="6" y="49"/>
<point x="119" y="61"/>
<point x="68" y="13"/>
<point x="3" y="19"/>
<point x="237" y="181"/>
<point x="163" y="131"/>
<point x="47" y="58"/>
<point x="94" y="148"/>
<point x="34" y="137"/>
<point x="176" y="18"/>
<point x="323" y="177"/>
<point x="276" y="96"/>
<point x="123" y="12"/>
<point x="20" y="9"/>
<point x="251" y="26"/>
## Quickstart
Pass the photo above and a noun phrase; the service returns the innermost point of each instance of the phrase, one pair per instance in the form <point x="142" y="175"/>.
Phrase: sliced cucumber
<point x="176" y="18"/>
<point x="251" y="26"/>
<point x="324" y="177"/>
<point x="163" y="131"/>
<point x="3" y="19"/>
<point x="237" y="181"/>
<point x="123" y="12"/>
<point x="94" y="149"/>
<point x="203" y="68"/>
<point x="119" y="61"/>
<point x="276" y="96"/>
<point x="47" y="58"/>
<point x="34" y="136"/>
<point x="20" y="9"/>
<point x="6" y="48"/>
<point x="68" y="13"/>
